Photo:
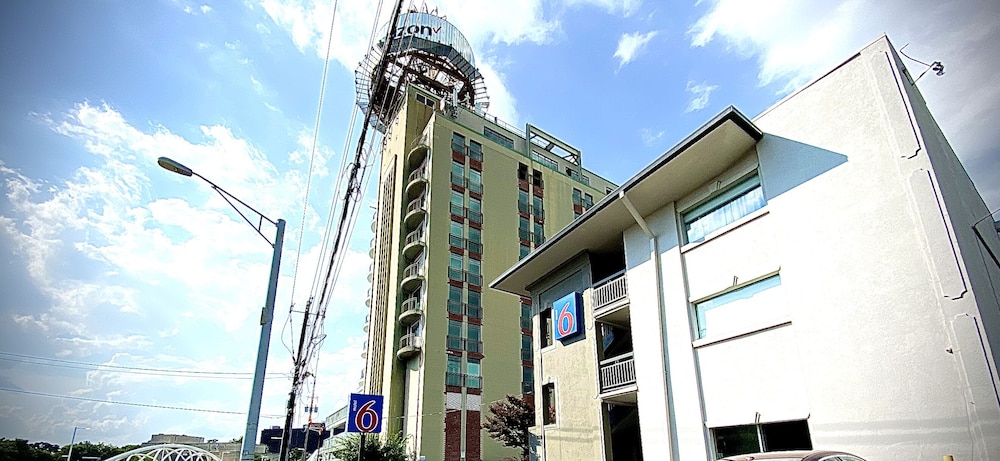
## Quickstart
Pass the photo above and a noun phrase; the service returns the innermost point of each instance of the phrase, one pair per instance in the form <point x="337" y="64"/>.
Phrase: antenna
<point x="936" y="66"/>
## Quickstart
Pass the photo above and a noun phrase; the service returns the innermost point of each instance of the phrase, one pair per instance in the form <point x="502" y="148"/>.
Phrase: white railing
<point x="415" y="236"/>
<point x="412" y="304"/>
<point x="410" y="340"/>
<point x="414" y="270"/>
<point x="415" y="204"/>
<point x="617" y="372"/>
<point x="609" y="291"/>
<point x="420" y="172"/>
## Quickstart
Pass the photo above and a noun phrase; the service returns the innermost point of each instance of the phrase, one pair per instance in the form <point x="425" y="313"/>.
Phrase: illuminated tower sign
<point x="426" y="51"/>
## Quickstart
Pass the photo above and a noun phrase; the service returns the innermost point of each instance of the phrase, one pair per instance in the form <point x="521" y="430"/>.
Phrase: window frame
<point x="722" y="200"/>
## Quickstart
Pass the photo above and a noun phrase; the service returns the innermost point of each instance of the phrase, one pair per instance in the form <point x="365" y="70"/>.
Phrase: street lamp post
<point x="72" y="440"/>
<point x="253" y="416"/>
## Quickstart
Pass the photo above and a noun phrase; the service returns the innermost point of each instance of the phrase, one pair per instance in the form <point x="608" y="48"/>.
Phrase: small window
<point x="536" y="178"/>
<point x="475" y="205"/>
<point x="733" y="309"/>
<point x="475" y="177"/>
<point x="454" y="334"/>
<point x="457" y="173"/>
<point x="455" y="266"/>
<point x="545" y="326"/>
<point x="522" y="172"/>
<point x="475" y="267"/>
<point x="536" y="204"/>
<point x="724" y="208"/>
<point x="548" y="404"/>
<point x="454" y="299"/>
<point x="476" y="151"/>
<point x="577" y="197"/>
<point x="753" y="438"/>
<point x="523" y="251"/>
<point x="458" y="143"/>
<point x="475" y="298"/>
<point x="526" y="316"/>
<point x="454" y="374"/>
<point x="588" y="201"/>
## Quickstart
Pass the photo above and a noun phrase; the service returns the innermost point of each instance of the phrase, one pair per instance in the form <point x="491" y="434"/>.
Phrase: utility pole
<point x="296" y="381"/>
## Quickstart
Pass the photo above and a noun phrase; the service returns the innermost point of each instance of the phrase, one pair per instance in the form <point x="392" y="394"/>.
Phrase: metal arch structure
<point x="166" y="452"/>
<point x="426" y="51"/>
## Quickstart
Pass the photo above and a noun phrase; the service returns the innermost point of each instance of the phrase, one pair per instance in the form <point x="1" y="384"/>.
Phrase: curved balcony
<point x="410" y="311"/>
<point x="413" y="275"/>
<point x="416" y="183"/>
<point x="419" y="152"/>
<point x="409" y="345"/>
<point x="414" y="244"/>
<point x="415" y="211"/>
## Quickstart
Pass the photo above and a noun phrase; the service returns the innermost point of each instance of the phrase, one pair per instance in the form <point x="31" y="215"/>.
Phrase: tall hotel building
<point x="462" y="196"/>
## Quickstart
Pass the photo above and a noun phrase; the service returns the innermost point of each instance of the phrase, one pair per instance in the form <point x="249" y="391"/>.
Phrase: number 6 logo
<point x="367" y="418"/>
<point x="567" y="313"/>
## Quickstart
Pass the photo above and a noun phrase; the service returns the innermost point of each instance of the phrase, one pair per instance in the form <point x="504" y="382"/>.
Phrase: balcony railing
<point x="408" y="346"/>
<point x="417" y="204"/>
<point x="414" y="270"/>
<point x="617" y="372"/>
<point x="415" y="236"/>
<point x="610" y="291"/>
<point x="419" y="173"/>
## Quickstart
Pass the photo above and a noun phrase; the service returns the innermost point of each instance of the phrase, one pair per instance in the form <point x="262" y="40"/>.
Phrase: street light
<point x="72" y="440"/>
<point x="253" y="416"/>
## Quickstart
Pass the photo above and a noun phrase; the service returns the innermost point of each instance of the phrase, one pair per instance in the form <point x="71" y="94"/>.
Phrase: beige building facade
<point x="825" y="276"/>
<point x="462" y="196"/>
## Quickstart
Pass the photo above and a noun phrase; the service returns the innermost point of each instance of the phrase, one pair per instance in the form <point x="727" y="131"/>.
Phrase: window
<point x="455" y="266"/>
<point x="549" y="403"/>
<point x="473" y="374"/>
<point x="526" y="316"/>
<point x="536" y="178"/>
<point x="577" y="197"/>
<point x="549" y="163"/>
<point x="458" y="143"/>
<point x="522" y="201"/>
<point x="455" y="235"/>
<point x="498" y="138"/>
<point x="536" y="206"/>
<point x="539" y="233"/>
<point x="457" y="203"/>
<point x="545" y="326"/>
<point x="525" y="347"/>
<point x="522" y="172"/>
<point x="752" y="438"/>
<point x="475" y="235"/>
<point x="475" y="209"/>
<point x="528" y="381"/>
<point x="588" y="201"/>
<point x="731" y="204"/>
<point x="523" y="251"/>
<point x="454" y="299"/>
<point x="473" y="339"/>
<point x="475" y="276"/>
<point x="457" y="173"/>
<point x="454" y="334"/>
<point x="474" y="308"/>
<point x="454" y="375"/>
<point x="475" y="181"/>
<point x="475" y="151"/>
<point x="523" y="229"/>
<point x="735" y="309"/>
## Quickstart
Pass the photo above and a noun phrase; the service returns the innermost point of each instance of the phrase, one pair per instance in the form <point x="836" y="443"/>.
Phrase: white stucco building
<point x="824" y="276"/>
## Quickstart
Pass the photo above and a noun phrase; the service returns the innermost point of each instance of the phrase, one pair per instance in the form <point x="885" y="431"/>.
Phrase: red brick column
<point x="473" y="432"/>
<point x="453" y="435"/>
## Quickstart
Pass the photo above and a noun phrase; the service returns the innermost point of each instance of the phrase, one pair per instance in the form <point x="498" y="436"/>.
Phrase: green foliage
<point x="508" y="422"/>
<point x="393" y="448"/>
<point x="21" y="450"/>
<point x="99" y="450"/>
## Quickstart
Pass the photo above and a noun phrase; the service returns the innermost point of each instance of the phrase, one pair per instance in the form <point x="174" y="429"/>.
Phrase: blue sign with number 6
<point x="364" y="413"/>
<point x="566" y="316"/>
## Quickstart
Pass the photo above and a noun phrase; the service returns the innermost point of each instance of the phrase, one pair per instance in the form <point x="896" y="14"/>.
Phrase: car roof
<point x="803" y="455"/>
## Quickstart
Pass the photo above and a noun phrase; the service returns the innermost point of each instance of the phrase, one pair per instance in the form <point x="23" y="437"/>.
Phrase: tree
<point x="508" y="422"/>
<point x="99" y="450"/>
<point x="392" y="449"/>
<point x="21" y="450"/>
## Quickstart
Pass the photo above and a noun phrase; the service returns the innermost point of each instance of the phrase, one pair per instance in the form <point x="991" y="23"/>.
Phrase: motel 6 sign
<point x="566" y="312"/>
<point x="364" y="413"/>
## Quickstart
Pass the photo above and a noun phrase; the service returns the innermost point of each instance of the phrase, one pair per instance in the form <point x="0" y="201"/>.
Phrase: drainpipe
<point x="654" y="249"/>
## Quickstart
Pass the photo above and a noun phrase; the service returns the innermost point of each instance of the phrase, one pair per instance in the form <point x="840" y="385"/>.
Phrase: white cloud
<point x="701" y="91"/>
<point x="649" y="138"/>
<point x="794" y="41"/>
<point x="625" y="7"/>
<point x="630" y="46"/>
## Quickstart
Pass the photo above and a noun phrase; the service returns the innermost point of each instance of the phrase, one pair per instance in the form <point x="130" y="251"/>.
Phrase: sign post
<point x="364" y="416"/>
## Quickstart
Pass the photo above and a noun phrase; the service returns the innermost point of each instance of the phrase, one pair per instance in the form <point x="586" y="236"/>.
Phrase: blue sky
<point x="111" y="260"/>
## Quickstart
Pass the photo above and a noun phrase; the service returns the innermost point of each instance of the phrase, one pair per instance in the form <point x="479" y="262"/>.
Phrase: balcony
<point x="410" y="311"/>
<point x="409" y="345"/>
<point x="617" y="377"/>
<point x="419" y="152"/>
<point x="414" y="244"/>
<point x="416" y="183"/>
<point x="415" y="211"/>
<point x="413" y="275"/>
<point x="610" y="300"/>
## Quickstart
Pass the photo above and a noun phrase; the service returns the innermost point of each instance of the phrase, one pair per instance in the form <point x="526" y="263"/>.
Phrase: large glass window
<point x="536" y="205"/>
<point x="474" y="308"/>
<point x="577" y="197"/>
<point x="473" y="374"/>
<point x="523" y="251"/>
<point x="458" y="143"/>
<point x="539" y="233"/>
<point x="454" y="375"/>
<point x="454" y="334"/>
<point x="523" y="229"/>
<point x="454" y="299"/>
<point x="455" y="266"/>
<point x="475" y="151"/>
<point x="498" y="138"/>
<point x="522" y="201"/>
<point x="475" y="272"/>
<point x="753" y="438"/>
<point x="456" y="236"/>
<point x="457" y="173"/>
<point x="475" y="210"/>
<point x="473" y="338"/>
<point x="733" y="203"/>
<point x="732" y="310"/>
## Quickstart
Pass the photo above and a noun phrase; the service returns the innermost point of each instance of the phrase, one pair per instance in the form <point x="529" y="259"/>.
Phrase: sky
<point x="115" y="270"/>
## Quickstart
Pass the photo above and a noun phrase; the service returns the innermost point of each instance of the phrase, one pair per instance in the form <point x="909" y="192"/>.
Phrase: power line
<point x="33" y="360"/>
<point x="134" y="404"/>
